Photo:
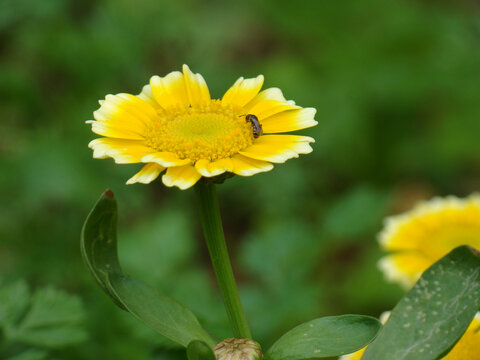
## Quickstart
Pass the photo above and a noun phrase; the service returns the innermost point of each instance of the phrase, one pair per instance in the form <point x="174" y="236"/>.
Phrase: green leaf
<point x="98" y="242"/>
<point x="14" y="299"/>
<point x="54" y="320"/>
<point x="48" y="319"/>
<point x="434" y="314"/>
<point x="160" y="312"/>
<point x="198" y="350"/>
<point x="325" y="337"/>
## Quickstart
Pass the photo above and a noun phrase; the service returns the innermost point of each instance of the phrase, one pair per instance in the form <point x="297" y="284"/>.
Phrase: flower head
<point x="425" y="234"/>
<point x="238" y="349"/>
<point x="174" y="125"/>
<point x="465" y="348"/>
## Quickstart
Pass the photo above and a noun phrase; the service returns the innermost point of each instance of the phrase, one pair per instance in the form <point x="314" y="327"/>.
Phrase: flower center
<point x="212" y="131"/>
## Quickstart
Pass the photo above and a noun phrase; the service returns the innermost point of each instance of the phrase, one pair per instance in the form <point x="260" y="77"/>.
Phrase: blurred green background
<point x="396" y="85"/>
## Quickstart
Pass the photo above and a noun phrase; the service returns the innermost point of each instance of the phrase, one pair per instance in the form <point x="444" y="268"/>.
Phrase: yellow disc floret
<point x="212" y="131"/>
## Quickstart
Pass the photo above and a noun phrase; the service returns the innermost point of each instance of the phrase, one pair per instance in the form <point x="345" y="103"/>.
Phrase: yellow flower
<point x="465" y="349"/>
<point x="174" y="125"/>
<point x="429" y="231"/>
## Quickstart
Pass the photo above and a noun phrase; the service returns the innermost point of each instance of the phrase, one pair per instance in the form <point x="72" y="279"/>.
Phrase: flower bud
<point x="238" y="349"/>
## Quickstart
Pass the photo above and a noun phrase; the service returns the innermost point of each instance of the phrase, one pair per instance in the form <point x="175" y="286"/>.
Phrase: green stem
<point x="217" y="247"/>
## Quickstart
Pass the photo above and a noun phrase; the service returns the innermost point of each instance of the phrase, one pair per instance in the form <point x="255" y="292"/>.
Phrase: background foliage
<point x="396" y="86"/>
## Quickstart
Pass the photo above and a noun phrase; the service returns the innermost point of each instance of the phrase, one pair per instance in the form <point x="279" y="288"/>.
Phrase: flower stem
<point x="217" y="247"/>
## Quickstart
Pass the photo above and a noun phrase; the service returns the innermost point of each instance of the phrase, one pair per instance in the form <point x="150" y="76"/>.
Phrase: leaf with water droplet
<point x="325" y="337"/>
<point x="435" y="313"/>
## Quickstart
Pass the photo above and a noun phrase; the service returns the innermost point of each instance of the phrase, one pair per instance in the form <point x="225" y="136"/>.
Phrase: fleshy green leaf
<point x="98" y="242"/>
<point x="54" y="320"/>
<point x="160" y="312"/>
<point x="325" y="337"/>
<point x="198" y="350"/>
<point x="434" y="314"/>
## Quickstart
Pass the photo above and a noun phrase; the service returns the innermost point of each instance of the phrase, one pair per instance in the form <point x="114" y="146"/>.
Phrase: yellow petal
<point x="278" y="148"/>
<point x="289" y="121"/>
<point x="209" y="169"/>
<point x="169" y="91"/>
<point x="166" y="159"/>
<point x="245" y="166"/>
<point x="123" y="116"/>
<point x="267" y="94"/>
<point x="269" y="102"/>
<point x="133" y="106"/>
<point x="121" y="150"/>
<point x="114" y="130"/>
<point x="467" y="346"/>
<point x="267" y="108"/>
<point x="243" y="91"/>
<point x="197" y="89"/>
<point x="355" y="356"/>
<point x="404" y="267"/>
<point x="147" y="95"/>
<point x="181" y="176"/>
<point x="147" y="174"/>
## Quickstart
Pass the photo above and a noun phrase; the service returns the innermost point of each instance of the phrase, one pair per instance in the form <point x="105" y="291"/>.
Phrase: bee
<point x="256" y="126"/>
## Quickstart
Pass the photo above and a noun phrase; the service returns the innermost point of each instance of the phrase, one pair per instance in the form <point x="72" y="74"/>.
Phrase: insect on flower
<point x="256" y="126"/>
